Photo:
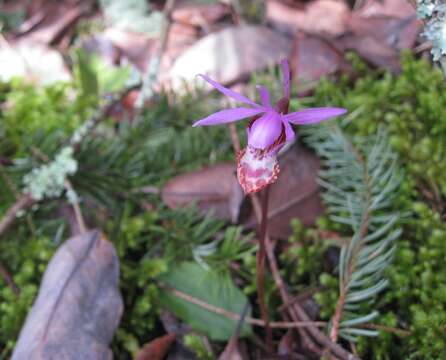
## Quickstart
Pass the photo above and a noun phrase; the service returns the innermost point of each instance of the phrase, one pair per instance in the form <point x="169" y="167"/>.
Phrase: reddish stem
<point x="337" y="318"/>
<point x="261" y="255"/>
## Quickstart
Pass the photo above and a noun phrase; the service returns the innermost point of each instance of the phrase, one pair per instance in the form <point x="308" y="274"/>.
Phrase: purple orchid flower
<point x="269" y="129"/>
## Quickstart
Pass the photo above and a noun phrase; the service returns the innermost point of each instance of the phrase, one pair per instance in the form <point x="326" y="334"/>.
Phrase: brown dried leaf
<point x="313" y="58"/>
<point x="394" y="8"/>
<point x="320" y="17"/>
<point x="295" y="194"/>
<point x="232" y="351"/>
<point x="59" y="17"/>
<point x="287" y="344"/>
<point x="379" y="30"/>
<point x="375" y="52"/>
<point x="136" y="47"/>
<point x="156" y="349"/>
<point x="214" y="188"/>
<point x="397" y="33"/>
<point x="78" y="307"/>
<point x="230" y="54"/>
<point x="199" y="15"/>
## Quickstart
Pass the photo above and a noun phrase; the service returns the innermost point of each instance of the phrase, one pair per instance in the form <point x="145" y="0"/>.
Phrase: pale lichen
<point x="433" y="12"/>
<point x="48" y="180"/>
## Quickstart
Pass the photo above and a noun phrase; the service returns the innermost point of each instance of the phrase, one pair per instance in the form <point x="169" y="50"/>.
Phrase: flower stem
<point x="261" y="254"/>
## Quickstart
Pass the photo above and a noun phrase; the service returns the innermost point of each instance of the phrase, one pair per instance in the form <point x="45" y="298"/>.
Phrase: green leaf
<point x="86" y="75"/>
<point x="208" y="286"/>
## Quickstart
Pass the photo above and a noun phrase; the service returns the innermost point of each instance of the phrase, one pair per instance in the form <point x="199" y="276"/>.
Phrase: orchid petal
<point x="227" y="116"/>
<point x="265" y="130"/>
<point x="289" y="132"/>
<point x="313" y="115"/>
<point x="228" y="92"/>
<point x="264" y="96"/>
<point x="286" y="78"/>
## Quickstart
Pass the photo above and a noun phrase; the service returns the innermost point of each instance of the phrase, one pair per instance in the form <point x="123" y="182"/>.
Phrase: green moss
<point x="26" y="268"/>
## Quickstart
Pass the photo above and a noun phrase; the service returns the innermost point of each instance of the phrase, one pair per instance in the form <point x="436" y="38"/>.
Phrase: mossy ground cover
<point x="410" y="106"/>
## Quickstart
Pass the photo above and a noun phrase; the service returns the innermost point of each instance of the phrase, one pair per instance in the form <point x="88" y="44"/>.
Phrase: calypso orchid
<point x="268" y="130"/>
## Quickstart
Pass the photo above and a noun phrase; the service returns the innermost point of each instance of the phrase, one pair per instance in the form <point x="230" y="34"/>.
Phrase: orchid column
<point x="268" y="131"/>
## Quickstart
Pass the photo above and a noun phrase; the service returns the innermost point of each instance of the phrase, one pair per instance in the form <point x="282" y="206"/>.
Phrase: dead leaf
<point x="78" y="307"/>
<point x="295" y="194"/>
<point x="213" y="189"/>
<point x="320" y="17"/>
<point x="287" y="343"/>
<point x="156" y="349"/>
<point x="232" y="351"/>
<point x="378" y="35"/>
<point x="370" y="49"/>
<point x="228" y="55"/>
<point x="58" y="18"/>
<point x="397" y="33"/>
<point x="36" y="63"/>
<point x="313" y="58"/>
<point x="136" y="47"/>
<point x="199" y="15"/>
<point x="393" y="8"/>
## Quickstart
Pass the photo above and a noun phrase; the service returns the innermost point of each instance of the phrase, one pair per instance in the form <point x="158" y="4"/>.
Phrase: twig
<point x="22" y="203"/>
<point x="101" y="114"/>
<point x="234" y="138"/>
<point x="427" y="45"/>
<point x="77" y="210"/>
<point x="151" y="75"/>
<point x="236" y="317"/>
<point x="16" y="194"/>
<point x="4" y="273"/>
<point x="336" y="319"/>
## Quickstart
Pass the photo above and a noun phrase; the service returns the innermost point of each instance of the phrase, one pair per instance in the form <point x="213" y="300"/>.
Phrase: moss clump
<point x="26" y="267"/>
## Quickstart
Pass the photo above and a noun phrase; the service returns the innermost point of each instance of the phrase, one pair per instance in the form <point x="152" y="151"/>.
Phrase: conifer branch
<point x="360" y="180"/>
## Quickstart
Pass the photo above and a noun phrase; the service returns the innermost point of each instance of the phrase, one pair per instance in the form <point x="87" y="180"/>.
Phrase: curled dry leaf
<point x="320" y="17"/>
<point x="212" y="189"/>
<point x="156" y="349"/>
<point x="78" y="307"/>
<point x="137" y="48"/>
<point x="287" y="343"/>
<point x="228" y="55"/>
<point x="373" y="51"/>
<point x="313" y="58"/>
<point x="232" y="351"/>
<point x="394" y="8"/>
<point x="295" y="194"/>
<point x="379" y="39"/>
<point x="199" y="15"/>
<point x="51" y="22"/>
<point x="398" y="33"/>
<point x="378" y="31"/>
